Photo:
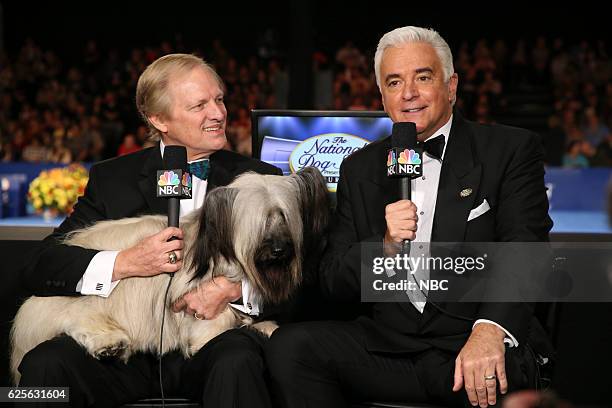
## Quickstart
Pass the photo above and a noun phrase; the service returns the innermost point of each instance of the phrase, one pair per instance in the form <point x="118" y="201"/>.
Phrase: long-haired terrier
<point x="260" y="228"/>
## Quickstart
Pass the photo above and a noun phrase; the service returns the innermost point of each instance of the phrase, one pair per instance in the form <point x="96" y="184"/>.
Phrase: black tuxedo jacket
<point x="499" y="163"/>
<point x="118" y="188"/>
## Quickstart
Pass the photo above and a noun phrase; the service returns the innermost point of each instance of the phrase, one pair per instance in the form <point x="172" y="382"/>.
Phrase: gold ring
<point x="172" y="258"/>
<point x="490" y="377"/>
<point x="197" y="316"/>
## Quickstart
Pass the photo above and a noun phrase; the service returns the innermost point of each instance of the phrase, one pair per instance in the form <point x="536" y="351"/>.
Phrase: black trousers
<point x="228" y="371"/>
<point x="327" y="364"/>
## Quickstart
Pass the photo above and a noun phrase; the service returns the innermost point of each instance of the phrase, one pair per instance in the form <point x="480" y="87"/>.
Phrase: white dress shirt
<point x="424" y="193"/>
<point x="97" y="279"/>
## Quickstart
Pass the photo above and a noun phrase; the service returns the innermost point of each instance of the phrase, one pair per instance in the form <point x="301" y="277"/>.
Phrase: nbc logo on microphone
<point x="391" y="159"/>
<point x="409" y="157"/>
<point x="169" y="178"/>
<point x="186" y="180"/>
<point x="168" y="184"/>
<point x="406" y="162"/>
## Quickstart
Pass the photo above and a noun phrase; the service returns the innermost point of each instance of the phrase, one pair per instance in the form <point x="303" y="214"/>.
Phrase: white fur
<point x="129" y="320"/>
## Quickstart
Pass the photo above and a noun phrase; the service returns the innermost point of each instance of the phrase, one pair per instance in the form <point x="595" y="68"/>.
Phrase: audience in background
<point x="53" y="111"/>
<point x="128" y="145"/>
<point x="576" y="155"/>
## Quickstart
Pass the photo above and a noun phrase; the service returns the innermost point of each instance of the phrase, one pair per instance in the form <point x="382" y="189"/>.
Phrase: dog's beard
<point x="278" y="275"/>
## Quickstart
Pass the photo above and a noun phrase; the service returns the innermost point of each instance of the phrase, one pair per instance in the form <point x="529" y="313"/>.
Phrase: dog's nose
<point x="278" y="251"/>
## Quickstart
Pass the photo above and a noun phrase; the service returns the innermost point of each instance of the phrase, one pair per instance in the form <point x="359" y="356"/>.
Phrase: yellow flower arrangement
<point x="58" y="189"/>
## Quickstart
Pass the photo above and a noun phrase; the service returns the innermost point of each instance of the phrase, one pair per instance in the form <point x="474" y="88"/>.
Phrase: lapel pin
<point x="465" y="192"/>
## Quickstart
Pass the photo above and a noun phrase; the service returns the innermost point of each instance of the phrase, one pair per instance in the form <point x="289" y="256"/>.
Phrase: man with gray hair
<point x="479" y="184"/>
<point x="180" y="97"/>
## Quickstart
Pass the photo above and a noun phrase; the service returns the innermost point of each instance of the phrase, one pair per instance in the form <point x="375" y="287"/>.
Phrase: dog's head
<point x="263" y="228"/>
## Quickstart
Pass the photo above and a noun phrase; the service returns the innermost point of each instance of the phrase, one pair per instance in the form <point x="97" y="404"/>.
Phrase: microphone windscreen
<point x="404" y="135"/>
<point x="175" y="157"/>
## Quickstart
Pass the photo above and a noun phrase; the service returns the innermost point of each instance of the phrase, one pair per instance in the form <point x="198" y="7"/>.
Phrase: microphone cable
<point x="406" y="245"/>
<point x="161" y="343"/>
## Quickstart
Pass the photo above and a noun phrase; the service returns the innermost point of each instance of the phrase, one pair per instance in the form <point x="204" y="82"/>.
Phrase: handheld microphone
<point x="174" y="181"/>
<point x="404" y="161"/>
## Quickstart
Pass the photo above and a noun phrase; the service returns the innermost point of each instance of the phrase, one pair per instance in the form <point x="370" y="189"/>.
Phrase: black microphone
<point x="404" y="161"/>
<point x="174" y="181"/>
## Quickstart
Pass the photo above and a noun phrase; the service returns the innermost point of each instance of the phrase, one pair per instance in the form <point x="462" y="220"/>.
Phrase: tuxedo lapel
<point x="458" y="185"/>
<point x="384" y="194"/>
<point x="222" y="170"/>
<point x="379" y="190"/>
<point x="148" y="182"/>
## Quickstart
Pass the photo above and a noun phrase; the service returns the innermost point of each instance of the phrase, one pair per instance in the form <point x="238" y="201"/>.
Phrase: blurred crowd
<point x="62" y="112"/>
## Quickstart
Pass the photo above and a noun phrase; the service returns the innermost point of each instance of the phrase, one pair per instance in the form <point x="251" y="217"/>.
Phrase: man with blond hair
<point x="180" y="98"/>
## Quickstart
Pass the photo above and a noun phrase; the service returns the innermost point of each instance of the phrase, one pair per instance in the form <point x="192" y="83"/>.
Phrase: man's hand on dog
<point x="209" y="299"/>
<point x="151" y="256"/>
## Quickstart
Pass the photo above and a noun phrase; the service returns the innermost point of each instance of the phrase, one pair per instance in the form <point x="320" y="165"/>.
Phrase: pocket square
<point x="478" y="211"/>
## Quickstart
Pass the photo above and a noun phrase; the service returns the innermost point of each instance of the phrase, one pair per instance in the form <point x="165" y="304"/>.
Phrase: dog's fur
<point x="260" y="228"/>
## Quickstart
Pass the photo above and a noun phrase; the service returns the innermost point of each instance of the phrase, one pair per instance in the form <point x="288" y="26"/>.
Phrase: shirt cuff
<point x="390" y="272"/>
<point x="510" y="340"/>
<point x="97" y="279"/>
<point x="250" y="304"/>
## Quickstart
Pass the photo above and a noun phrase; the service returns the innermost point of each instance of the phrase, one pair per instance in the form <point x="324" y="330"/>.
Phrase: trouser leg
<point x="229" y="371"/>
<point x="61" y="362"/>
<point x="326" y="364"/>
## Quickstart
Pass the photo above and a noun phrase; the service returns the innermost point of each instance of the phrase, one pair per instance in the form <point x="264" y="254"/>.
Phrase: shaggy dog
<point x="260" y="228"/>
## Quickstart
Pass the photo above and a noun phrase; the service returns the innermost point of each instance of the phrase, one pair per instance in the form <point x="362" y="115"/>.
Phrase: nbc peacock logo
<point x="391" y="160"/>
<point x="404" y="162"/>
<point x="186" y="180"/>
<point x="168" y="178"/>
<point x="409" y="157"/>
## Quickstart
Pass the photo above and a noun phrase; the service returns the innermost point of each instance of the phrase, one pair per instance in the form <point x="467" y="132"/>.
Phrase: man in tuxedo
<point x="480" y="184"/>
<point x="180" y="97"/>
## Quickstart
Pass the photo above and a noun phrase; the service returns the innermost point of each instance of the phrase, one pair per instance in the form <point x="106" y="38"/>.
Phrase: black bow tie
<point x="435" y="147"/>
<point x="200" y="169"/>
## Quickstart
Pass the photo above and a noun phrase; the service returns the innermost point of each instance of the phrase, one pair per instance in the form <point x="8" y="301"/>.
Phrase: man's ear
<point x="159" y="122"/>
<point x="452" y="87"/>
<point x="382" y="100"/>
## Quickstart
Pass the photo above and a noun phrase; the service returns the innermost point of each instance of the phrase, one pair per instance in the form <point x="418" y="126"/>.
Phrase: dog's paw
<point x="118" y="350"/>
<point x="190" y="351"/>
<point x="266" y="327"/>
<point x="104" y="342"/>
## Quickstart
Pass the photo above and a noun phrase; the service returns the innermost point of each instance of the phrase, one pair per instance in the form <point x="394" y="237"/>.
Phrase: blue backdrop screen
<point x="291" y="140"/>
